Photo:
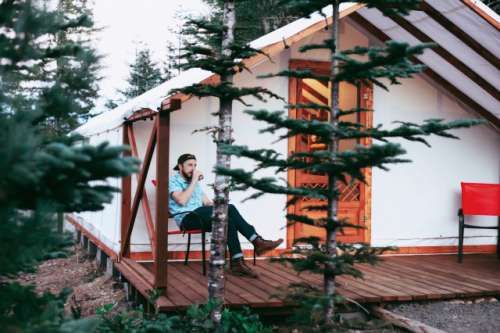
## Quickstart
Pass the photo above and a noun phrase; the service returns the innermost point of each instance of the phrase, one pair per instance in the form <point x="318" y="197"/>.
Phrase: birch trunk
<point x="216" y="278"/>
<point x="331" y="237"/>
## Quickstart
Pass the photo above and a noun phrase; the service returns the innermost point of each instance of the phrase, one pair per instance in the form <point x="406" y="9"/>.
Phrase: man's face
<point x="187" y="168"/>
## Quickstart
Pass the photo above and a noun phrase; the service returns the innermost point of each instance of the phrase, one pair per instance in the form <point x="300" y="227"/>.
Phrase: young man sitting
<point x="192" y="209"/>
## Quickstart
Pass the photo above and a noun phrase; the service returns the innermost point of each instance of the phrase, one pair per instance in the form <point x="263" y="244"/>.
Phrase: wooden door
<point x="352" y="199"/>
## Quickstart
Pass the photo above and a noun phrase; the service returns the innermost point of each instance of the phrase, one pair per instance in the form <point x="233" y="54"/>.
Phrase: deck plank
<point x="425" y="271"/>
<point x="395" y="278"/>
<point x="455" y="275"/>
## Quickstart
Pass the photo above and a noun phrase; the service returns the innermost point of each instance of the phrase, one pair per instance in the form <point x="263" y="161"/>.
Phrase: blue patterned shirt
<point x="177" y="183"/>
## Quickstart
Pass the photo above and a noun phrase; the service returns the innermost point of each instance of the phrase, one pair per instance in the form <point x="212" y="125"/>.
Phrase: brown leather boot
<point x="239" y="268"/>
<point x="261" y="245"/>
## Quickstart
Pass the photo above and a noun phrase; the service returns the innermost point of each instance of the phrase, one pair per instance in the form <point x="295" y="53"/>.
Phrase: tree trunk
<point x="60" y="223"/>
<point x="216" y="278"/>
<point x="331" y="237"/>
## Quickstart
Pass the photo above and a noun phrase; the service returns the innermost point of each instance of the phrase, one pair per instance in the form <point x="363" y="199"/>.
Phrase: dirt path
<point x="91" y="289"/>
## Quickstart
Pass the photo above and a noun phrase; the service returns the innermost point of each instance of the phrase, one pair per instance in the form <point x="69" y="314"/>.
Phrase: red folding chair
<point x="478" y="199"/>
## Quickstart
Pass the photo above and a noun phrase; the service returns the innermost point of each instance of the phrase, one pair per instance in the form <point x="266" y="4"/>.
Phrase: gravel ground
<point x="481" y="315"/>
<point x="91" y="289"/>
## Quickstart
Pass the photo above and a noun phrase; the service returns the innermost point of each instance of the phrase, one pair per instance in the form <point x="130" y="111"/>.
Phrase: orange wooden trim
<point x="292" y="113"/>
<point x="323" y="67"/>
<point x="366" y="102"/>
<point x="482" y="13"/>
<point x="145" y="201"/>
<point x="160" y="250"/>
<point x="213" y="79"/>
<point x="457" y="93"/>
<point x="142" y="114"/>
<point x="196" y="255"/>
<point x="443" y="249"/>
<point x="460" y="34"/>
<point x="172" y="104"/>
<point x="141" y="256"/>
<point x="112" y="254"/>
<point x="125" y="248"/>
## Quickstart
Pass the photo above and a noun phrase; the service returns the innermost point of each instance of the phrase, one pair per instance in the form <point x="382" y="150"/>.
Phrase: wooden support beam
<point x="125" y="248"/>
<point x="460" y="34"/>
<point x="144" y="201"/>
<point x="162" y="166"/>
<point x="365" y="24"/>
<point x="446" y="55"/>
<point x="171" y="104"/>
<point x="126" y="190"/>
<point x="141" y="114"/>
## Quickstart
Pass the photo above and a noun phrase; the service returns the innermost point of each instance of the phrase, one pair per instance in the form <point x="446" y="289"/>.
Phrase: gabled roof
<point x="465" y="63"/>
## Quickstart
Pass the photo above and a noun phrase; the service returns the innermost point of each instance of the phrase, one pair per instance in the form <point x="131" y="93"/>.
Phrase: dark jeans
<point x="201" y="218"/>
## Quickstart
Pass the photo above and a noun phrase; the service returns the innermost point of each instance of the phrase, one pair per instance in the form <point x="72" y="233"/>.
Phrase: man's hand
<point x="197" y="175"/>
<point x="207" y="201"/>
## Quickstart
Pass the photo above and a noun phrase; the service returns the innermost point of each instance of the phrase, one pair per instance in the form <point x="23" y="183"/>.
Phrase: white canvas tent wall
<point x="413" y="205"/>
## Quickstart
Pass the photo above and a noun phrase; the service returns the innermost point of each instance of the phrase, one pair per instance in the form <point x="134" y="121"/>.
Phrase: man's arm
<point x="182" y="197"/>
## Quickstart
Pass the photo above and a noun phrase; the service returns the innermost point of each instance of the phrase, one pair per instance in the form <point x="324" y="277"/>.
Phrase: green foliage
<point x="195" y="320"/>
<point x="21" y="308"/>
<point x="203" y="50"/>
<point x="255" y="18"/>
<point x="144" y="75"/>
<point x="48" y="64"/>
<point x="47" y="85"/>
<point x="135" y="321"/>
<point x="27" y="238"/>
<point x="311" y="302"/>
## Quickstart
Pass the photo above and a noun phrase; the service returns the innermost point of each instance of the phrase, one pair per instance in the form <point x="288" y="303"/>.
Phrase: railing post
<point x="161" y="226"/>
<point x="126" y="190"/>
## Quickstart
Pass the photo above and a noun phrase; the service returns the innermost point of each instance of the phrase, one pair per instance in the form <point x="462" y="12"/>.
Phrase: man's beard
<point x="185" y="175"/>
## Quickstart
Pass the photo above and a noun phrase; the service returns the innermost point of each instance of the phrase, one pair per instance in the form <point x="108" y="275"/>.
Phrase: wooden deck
<point x="397" y="278"/>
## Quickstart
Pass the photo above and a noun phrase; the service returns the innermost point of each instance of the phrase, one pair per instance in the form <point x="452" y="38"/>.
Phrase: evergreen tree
<point x="256" y="18"/>
<point x="171" y="64"/>
<point x="213" y="48"/>
<point x="383" y="65"/>
<point x="40" y="175"/>
<point x="144" y="75"/>
<point x="76" y="77"/>
<point x="64" y="74"/>
<point x="111" y="104"/>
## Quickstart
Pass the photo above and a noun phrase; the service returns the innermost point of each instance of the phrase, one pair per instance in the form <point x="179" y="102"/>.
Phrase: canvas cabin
<point x="413" y="206"/>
